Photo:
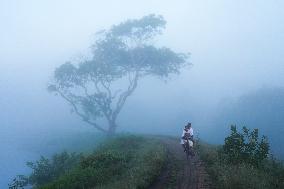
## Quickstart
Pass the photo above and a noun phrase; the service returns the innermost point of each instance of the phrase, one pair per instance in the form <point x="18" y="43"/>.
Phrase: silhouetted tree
<point x="124" y="53"/>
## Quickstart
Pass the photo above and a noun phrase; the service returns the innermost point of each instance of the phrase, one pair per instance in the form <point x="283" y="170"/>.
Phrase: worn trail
<point x="189" y="174"/>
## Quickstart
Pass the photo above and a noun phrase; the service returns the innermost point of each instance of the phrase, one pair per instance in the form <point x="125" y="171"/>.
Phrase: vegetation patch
<point x="123" y="162"/>
<point x="242" y="162"/>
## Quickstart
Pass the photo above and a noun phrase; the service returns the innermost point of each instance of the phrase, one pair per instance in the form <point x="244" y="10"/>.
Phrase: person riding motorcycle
<point x="187" y="133"/>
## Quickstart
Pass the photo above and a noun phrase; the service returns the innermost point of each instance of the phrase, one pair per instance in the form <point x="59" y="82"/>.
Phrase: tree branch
<point x="104" y="105"/>
<point x="124" y="95"/>
<point x="107" y="88"/>
<point x="84" y="118"/>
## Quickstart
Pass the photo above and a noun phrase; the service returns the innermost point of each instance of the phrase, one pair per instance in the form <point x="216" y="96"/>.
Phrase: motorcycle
<point x="188" y="142"/>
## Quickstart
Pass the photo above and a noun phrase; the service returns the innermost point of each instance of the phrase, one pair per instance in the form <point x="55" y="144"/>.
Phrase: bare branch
<point x="107" y="88"/>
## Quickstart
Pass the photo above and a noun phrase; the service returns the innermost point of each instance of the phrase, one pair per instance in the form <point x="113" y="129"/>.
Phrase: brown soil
<point x="187" y="174"/>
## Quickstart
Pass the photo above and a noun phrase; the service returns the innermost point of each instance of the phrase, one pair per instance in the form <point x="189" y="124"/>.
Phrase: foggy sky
<point x="235" y="46"/>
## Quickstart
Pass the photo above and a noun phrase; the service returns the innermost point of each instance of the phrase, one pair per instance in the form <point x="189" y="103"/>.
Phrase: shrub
<point x="235" y="164"/>
<point x="46" y="170"/>
<point x="123" y="162"/>
<point x="246" y="147"/>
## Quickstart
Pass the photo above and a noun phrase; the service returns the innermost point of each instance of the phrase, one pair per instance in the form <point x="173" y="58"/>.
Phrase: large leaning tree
<point x="123" y="54"/>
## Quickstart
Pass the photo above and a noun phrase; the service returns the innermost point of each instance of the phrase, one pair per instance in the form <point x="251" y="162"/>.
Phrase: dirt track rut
<point x="189" y="174"/>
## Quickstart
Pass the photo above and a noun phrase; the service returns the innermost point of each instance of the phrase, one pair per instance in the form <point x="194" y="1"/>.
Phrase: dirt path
<point x="188" y="174"/>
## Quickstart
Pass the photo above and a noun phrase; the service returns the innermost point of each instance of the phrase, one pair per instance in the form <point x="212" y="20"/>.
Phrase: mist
<point x="235" y="51"/>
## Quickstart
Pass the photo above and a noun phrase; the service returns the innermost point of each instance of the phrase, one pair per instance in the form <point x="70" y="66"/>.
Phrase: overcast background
<point x="236" y="48"/>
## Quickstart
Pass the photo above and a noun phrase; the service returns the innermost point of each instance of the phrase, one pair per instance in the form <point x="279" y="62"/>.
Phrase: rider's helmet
<point x="187" y="126"/>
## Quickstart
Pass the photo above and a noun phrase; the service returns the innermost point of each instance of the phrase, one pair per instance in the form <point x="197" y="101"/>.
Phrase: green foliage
<point x="46" y="170"/>
<point x="234" y="165"/>
<point x="275" y="169"/>
<point x="241" y="176"/>
<point x="123" y="162"/>
<point x="19" y="182"/>
<point x="246" y="147"/>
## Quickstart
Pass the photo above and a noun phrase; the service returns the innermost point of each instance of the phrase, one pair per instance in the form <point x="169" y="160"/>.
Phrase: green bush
<point x="123" y="162"/>
<point x="246" y="147"/>
<point x="235" y="164"/>
<point x="46" y="170"/>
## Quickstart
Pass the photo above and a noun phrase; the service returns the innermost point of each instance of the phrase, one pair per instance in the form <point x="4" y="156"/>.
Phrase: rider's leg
<point x="183" y="144"/>
<point x="184" y="147"/>
<point x="192" y="151"/>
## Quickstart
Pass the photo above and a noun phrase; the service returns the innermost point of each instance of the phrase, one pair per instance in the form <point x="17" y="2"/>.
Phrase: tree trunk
<point x="112" y="127"/>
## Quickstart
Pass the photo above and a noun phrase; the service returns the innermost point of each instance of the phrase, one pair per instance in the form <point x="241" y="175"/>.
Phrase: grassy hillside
<point x="122" y="162"/>
<point x="129" y="162"/>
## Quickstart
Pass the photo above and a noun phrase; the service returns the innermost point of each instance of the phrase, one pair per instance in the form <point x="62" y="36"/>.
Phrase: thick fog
<point x="236" y="50"/>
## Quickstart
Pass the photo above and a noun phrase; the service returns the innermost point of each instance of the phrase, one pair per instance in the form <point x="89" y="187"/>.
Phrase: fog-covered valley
<point x="235" y="75"/>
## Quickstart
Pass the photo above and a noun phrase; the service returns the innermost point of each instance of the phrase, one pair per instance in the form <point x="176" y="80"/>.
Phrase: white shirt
<point x="190" y="131"/>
